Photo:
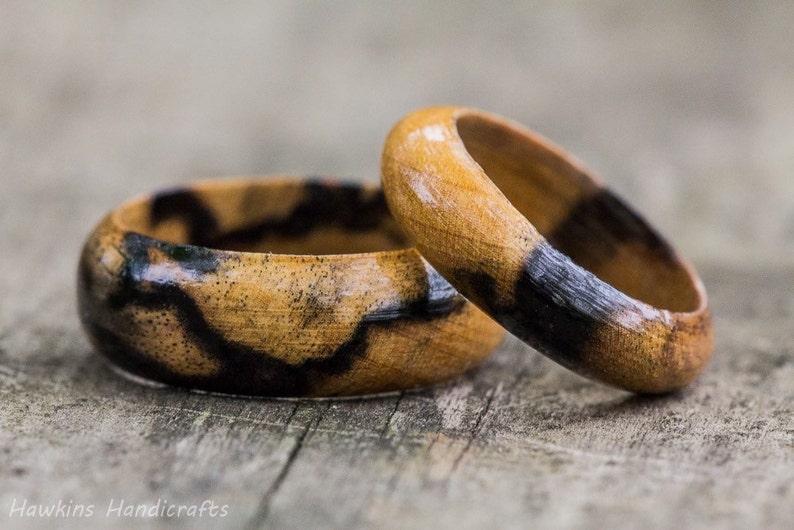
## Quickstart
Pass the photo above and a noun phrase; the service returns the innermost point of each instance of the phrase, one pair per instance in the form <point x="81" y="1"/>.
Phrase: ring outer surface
<point x="465" y="226"/>
<point x="265" y="324"/>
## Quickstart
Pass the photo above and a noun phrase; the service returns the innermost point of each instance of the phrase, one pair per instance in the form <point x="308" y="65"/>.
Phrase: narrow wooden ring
<point x="183" y="288"/>
<point x="538" y="243"/>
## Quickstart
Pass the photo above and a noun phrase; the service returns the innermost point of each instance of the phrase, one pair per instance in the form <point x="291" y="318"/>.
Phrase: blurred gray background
<point x="685" y="108"/>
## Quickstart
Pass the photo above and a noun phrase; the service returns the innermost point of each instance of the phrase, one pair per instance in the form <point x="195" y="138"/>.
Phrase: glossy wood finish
<point x="273" y="287"/>
<point x="537" y="242"/>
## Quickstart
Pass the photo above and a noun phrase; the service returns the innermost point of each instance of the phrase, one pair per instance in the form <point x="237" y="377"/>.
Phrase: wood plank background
<point x="686" y="109"/>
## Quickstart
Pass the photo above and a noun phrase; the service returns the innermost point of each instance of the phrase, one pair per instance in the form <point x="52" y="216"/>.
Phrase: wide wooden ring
<point x="273" y="288"/>
<point x="539" y="244"/>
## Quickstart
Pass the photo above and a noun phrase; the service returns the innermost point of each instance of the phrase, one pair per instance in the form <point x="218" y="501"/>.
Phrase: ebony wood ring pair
<point x="309" y="288"/>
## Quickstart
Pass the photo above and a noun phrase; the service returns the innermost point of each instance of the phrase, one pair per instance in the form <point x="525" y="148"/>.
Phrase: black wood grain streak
<point x="245" y="370"/>
<point x="188" y="208"/>
<point x="555" y="306"/>
<point x="598" y="225"/>
<point x="562" y="305"/>
<point x="343" y="206"/>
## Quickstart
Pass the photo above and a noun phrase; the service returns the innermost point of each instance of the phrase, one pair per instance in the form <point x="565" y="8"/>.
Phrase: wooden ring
<point x="519" y="228"/>
<point x="273" y="288"/>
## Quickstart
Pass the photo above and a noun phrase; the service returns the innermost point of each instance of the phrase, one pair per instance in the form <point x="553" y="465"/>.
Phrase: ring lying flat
<point x="540" y="245"/>
<point x="273" y="287"/>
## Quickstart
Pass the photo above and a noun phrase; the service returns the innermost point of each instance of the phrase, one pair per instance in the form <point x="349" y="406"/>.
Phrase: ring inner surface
<point x="277" y="217"/>
<point x="579" y="218"/>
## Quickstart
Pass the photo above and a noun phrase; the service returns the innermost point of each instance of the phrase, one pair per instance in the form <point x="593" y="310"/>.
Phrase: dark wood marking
<point x="555" y="306"/>
<point x="186" y="206"/>
<point x="480" y="288"/>
<point x="245" y="370"/>
<point x="344" y="206"/>
<point x="560" y="306"/>
<point x="439" y="300"/>
<point x="599" y="224"/>
<point x="198" y="261"/>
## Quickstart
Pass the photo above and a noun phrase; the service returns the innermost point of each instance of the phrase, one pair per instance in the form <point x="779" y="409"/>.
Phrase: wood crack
<point x="263" y="511"/>
<point x="475" y="430"/>
<point x="385" y="431"/>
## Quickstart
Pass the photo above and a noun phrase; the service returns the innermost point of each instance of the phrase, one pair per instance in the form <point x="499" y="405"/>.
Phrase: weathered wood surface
<point x="685" y="109"/>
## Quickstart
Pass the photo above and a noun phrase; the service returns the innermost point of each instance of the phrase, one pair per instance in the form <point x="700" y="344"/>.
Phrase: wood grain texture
<point x="540" y="245"/>
<point x="684" y="105"/>
<point x="199" y="287"/>
<point x="519" y="440"/>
